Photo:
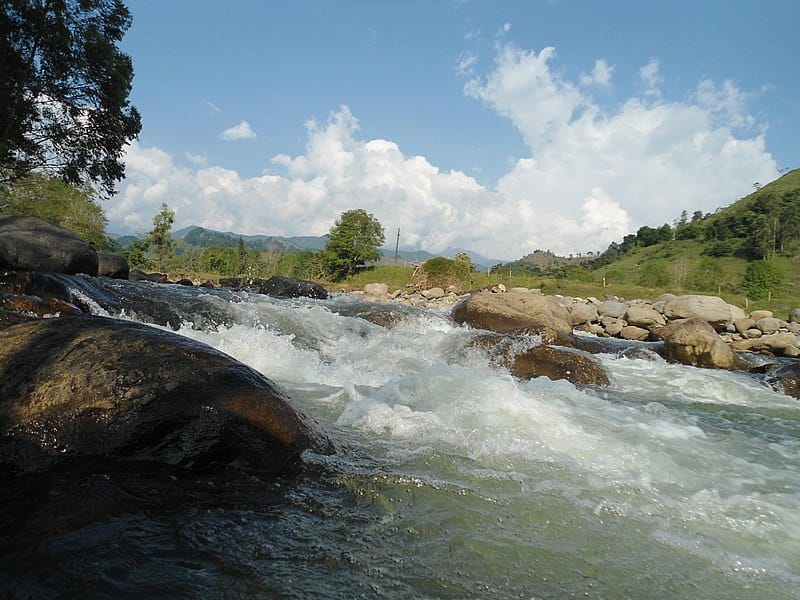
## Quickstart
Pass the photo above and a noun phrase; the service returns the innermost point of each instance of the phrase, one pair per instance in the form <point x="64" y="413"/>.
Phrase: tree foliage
<point x="161" y="236"/>
<point x="64" y="89"/>
<point x="761" y="279"/>
<point x="52" y="199"/>
<point x="354" y="241"/>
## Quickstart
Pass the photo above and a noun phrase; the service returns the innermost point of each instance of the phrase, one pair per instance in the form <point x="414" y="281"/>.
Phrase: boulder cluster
<point x="528" y="310"/>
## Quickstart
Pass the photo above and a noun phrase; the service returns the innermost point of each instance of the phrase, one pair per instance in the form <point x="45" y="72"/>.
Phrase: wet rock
<point x="514" y="312"/>
<point x="43" y="285"/>
<point x="695" y="342"/>
<point x="114" y="266"/>
<point x="139" y="275"/>
<point x="786" y="379"/>
<point x="288" y="287"/>
<point x="87" y="386"/>
<point x="38" y="307"/>
<point x="33" y="244"/>
<point x="541" y="360"/>
<point x="558" y="363"/>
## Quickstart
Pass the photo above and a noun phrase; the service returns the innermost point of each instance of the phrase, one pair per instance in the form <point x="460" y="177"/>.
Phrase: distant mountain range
<point x="201" y="237"/>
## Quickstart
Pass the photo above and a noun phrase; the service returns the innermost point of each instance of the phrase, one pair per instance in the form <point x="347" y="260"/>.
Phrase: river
<point x="453" y="479"/>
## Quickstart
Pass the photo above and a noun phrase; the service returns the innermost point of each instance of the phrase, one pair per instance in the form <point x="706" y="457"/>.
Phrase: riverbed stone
<point x="612" y="308"/>
<point x="769" y="325"/>
<point x="761" y="314"/>
<point x="543" y="360"/>
<point x="644" y="316"/>
<point x="711" y="309"/>
<point x="582" y="313"/>
<point x="695" y="342"/>
<point x="782" y="343"/>
<point x="85" y="386"/>
<point x="514" y="312"/>
<point x="631" y="332"/>
<point x="376" y="292"/>
<point x="794" y="315"/>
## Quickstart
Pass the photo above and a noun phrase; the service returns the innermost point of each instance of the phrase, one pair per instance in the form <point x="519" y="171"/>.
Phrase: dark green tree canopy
<point x="354" y="240"/>
<point x="64" y="89"/>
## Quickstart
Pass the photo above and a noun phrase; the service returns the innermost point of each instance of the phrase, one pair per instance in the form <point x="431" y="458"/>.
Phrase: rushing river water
<point x="454" y="479"/>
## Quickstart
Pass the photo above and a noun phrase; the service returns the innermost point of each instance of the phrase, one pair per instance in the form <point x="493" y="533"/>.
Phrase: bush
<point x="443" y="272"/>
<point x="653" y="275"/>
<point x="705" y="275"/>
<point x="761" y="279"/>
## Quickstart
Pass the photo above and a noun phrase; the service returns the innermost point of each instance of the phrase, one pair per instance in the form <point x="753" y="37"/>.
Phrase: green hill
<point x="747" y="251"/>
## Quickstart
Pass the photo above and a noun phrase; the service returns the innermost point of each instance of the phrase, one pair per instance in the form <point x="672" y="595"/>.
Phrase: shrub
<point x="762" y="278"/>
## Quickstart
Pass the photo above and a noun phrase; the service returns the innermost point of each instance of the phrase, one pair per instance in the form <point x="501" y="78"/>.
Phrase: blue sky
<point x="502" y="127"/>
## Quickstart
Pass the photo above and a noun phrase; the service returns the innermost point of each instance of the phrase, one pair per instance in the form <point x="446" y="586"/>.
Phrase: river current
<point x="453" y="479"/>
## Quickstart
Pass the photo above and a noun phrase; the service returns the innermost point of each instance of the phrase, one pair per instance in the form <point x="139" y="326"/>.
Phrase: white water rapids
<point x="672" y="482"/>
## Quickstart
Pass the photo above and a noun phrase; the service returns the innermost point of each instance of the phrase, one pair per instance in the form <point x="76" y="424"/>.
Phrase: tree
<point x="354" y="240"/>
<point x="761" y="279"/>
<point x="54" y="200"/>
<point x="64" y="89"/>
<point x="161" y="235"/>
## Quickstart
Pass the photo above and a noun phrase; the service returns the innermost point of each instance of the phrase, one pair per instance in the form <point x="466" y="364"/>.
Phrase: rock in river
<point x="514" y="313"/>
<point x="86" y="386"/>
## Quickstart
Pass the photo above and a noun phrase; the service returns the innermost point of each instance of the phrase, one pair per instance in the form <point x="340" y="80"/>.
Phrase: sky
<point x="501" y="127"/>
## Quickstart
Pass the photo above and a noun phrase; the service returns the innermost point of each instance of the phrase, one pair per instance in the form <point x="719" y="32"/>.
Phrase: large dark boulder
<point x="33" y="244"/>
<point x="112" y="265"/>
<point x="288" y="287"/>
<point x="86" y="386"/>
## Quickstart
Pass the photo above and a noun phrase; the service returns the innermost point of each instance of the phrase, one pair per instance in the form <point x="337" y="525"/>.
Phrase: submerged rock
<point x="33" y="244"/>
<point x="514" y="313"/>
<point x="87" y="386"/>
<point x="542" y="360"/>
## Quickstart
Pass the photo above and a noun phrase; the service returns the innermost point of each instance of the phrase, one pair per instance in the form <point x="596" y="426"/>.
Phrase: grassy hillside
<point x="709" y="254"/>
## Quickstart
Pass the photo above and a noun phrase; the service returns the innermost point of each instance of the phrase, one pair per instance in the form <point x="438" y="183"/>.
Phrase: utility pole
<point x="397" y="246"/>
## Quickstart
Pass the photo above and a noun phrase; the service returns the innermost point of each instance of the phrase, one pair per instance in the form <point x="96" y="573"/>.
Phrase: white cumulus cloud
<point x="240" y="131"/>
<point x="591" y="175"/>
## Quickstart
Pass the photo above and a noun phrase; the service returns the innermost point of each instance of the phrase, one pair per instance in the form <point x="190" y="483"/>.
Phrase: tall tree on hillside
<point x="161" y="235"/>
<point x="354" y="241"/>
<point x="64" y="89"/>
